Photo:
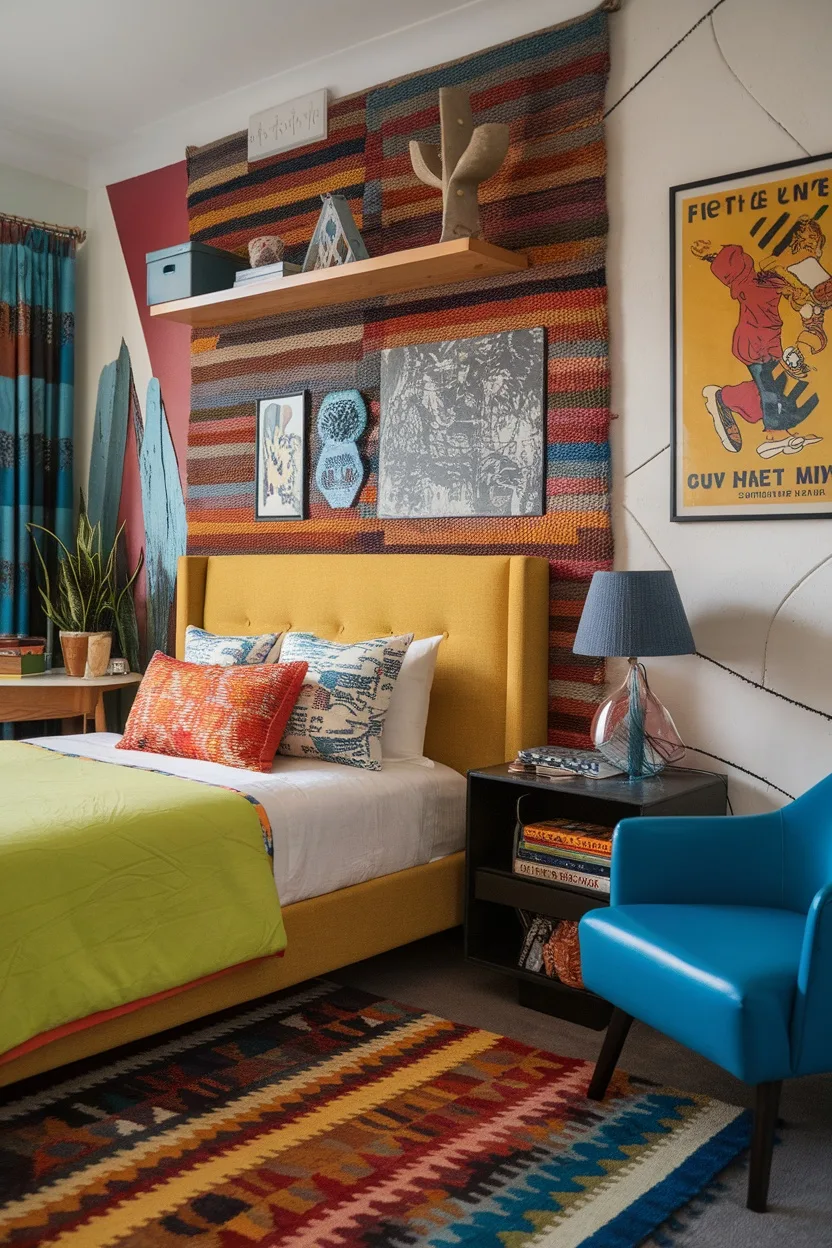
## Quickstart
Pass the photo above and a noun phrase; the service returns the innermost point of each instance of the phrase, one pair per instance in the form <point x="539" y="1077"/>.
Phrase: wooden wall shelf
<point x="441" y="264"/>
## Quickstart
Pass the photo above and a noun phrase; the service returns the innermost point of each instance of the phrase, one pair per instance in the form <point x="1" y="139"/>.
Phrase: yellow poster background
<point x="723" y="214"/>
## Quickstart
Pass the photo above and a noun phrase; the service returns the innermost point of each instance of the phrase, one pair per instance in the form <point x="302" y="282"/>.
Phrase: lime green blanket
<point x="116" y="883"/>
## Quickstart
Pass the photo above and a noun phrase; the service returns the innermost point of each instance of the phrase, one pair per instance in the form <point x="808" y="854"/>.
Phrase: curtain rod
<point x="66" y="231"/>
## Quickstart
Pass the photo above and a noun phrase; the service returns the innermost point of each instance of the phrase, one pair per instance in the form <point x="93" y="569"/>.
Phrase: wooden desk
<point x="74" y="699"/>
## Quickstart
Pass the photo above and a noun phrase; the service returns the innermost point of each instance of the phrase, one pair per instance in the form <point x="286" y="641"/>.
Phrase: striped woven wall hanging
<point x="547" y="199"/>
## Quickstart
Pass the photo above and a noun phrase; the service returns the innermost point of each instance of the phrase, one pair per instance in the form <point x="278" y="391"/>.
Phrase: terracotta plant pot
<point x="74" y="649"/>
<point x="98" y="654"/>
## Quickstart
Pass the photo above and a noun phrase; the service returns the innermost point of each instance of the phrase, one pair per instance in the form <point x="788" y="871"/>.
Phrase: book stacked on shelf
<point x="21" y="656"/>
<point x="563" y="852"/>
<point x="281" y="268"/>
<point x="550" y="763"/>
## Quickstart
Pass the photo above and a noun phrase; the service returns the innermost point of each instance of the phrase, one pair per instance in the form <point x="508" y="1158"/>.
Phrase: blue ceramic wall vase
<point x="342" y="418"/>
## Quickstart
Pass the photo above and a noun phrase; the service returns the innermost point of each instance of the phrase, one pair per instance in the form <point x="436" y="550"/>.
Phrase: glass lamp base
<point x="633" y="731"/>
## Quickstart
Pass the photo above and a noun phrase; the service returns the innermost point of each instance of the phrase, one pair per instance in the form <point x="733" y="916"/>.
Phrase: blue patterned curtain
<point x="37" y="342"/>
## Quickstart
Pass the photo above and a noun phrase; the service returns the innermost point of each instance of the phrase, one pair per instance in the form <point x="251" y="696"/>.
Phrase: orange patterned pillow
<point x="231" y="715"/>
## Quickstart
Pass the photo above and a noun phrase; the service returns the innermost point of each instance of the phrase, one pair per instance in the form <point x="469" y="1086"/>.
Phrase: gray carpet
<point x="433" y="975"/>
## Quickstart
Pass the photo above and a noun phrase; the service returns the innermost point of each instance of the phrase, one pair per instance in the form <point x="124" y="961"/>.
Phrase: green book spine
<point x="566" y="851"/>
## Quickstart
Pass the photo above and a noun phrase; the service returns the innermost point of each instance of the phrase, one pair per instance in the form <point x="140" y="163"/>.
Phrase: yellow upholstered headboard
<point x="490" y="691"/>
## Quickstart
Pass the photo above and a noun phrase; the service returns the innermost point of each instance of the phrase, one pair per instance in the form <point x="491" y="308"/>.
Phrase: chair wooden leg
<point x="762" y="1144"/>
<point x="610" y="1052"/>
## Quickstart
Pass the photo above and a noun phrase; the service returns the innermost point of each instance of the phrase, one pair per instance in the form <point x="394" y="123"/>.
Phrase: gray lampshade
<point x="633" y="613"/>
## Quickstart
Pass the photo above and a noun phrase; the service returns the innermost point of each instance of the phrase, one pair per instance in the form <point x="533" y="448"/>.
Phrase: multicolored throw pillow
<point x="230" y="715"/>
<point x="203" y="647"/>
<point x="339" y="715"/>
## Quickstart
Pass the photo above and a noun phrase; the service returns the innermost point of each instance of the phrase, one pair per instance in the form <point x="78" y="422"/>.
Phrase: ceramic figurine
<point x="342" y="418"/>
<point x="336" y="238"/>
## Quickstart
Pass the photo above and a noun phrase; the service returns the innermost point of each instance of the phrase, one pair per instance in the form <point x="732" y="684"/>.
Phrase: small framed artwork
<point x="281" y="457"/>
<point x="751" y="362"/>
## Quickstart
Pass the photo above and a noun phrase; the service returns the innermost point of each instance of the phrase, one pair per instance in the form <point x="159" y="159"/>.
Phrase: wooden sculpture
<point x="468" y="156"/>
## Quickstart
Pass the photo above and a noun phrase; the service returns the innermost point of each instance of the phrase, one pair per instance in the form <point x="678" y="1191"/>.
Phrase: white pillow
<point x="403" y="738"/>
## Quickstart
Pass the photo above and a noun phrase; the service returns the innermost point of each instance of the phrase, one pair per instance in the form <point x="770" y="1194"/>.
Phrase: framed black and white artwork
<point x="463" y="428"/>
<point x="281" y="457"/>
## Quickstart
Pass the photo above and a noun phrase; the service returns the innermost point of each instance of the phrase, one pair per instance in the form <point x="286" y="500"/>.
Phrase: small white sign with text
<point x="284" y="126"/>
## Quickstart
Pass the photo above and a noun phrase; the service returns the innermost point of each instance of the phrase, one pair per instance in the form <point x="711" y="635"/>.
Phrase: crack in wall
<point x="803" y="706"/>
<point x="663" y="57"/>
<point x="647" y="461"/>
<point x="727" y="763"/>
<point x="748" y="90"/>
<point x="782" y="604"/>
<point x="636" y="521"/>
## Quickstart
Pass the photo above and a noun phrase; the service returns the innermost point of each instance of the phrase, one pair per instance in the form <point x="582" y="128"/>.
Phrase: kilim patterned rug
<point x="548" y="200"/>
<point x="330" y="1118"/>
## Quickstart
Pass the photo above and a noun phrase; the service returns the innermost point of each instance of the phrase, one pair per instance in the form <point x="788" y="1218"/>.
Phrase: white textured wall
<point x="25" y="194"/>
<point x="758" y="595"/>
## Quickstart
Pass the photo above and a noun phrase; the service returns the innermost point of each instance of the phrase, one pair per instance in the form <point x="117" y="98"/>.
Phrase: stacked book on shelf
<point x="281" y="268"/>
<point x="549" y="762"/>
<point x="564" y="852"/>
<point x="21" y="656"/>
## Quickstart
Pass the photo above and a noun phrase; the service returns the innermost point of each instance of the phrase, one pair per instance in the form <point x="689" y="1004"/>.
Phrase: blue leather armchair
<point x="719" y="934"/>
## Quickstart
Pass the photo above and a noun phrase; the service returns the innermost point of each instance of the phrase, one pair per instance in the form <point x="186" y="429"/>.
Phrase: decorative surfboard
<point x="163" y="505"/>
<point x="109" y="439"/>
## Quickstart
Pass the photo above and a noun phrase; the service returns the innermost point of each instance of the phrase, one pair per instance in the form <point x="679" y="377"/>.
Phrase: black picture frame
<point x="769" y="223"/>
<point x="297" y="426"/>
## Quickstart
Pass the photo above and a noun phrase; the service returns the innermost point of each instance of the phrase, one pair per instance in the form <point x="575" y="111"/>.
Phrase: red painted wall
<point x="151" y="212"/>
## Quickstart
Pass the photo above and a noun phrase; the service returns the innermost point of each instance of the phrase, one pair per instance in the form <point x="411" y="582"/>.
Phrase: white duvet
<point x="333" y="826"/>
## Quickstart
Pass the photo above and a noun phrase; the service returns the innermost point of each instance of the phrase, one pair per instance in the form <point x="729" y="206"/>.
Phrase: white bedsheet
<point x="332" y="825"/>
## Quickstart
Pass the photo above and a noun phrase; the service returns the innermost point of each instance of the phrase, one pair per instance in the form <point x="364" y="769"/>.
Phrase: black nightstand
<point x="493" y="933"/>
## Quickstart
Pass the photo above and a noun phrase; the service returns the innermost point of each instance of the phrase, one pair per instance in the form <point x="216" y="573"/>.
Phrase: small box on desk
<point x="21" y="656"/>
<point x="190" y="269"/>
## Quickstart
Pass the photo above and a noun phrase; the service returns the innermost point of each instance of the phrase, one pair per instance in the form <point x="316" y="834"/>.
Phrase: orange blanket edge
<point x="102" y="1016"/>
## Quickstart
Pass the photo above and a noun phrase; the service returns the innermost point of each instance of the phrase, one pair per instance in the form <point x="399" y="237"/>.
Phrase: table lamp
<point x="634" y="615"/>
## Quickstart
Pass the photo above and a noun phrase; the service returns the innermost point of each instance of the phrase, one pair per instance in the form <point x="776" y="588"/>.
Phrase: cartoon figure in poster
<point x="793" y="283"/>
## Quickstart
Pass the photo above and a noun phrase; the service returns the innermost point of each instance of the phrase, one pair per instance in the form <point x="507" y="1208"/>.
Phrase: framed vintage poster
<point x="281" y="457"/>
<point x="751" y="286"/>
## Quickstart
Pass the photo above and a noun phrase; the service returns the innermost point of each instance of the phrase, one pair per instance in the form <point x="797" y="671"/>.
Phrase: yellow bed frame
<point x="489" y="699"/>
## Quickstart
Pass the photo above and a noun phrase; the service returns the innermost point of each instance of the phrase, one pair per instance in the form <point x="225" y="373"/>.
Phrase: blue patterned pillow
<point x="339" y="715"/>
<point x="202" y="647"/>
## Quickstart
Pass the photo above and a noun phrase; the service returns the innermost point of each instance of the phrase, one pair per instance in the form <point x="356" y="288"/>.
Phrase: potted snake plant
<point x="88" y="599"/>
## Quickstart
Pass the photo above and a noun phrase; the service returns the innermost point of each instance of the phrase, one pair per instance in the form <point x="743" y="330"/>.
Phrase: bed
<point x="489" y="699"/>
